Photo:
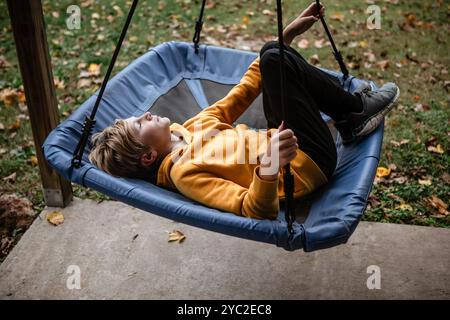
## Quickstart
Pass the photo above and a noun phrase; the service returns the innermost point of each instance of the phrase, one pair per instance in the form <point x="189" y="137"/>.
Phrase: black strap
<point x="198" y="27"/>
<point x="288" y="177"/>
<point x="336" y="53"/>
<point x="90" y="122"/>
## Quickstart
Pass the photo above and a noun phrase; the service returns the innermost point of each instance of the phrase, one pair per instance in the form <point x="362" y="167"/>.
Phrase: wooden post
<point x="32" y="52"/>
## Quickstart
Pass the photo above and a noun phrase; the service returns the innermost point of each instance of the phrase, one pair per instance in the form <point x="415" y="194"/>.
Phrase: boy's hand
<point x="312" y="11"/>
<point x="281" y="150"/>
<point x="303" y="22"/>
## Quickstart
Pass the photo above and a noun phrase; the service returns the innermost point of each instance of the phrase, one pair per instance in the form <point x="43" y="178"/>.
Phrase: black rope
<point x="89" y="123"/>
<point x="198" y="27"/>
<point x="336" y="52"/>
<point x="288" y="178"/>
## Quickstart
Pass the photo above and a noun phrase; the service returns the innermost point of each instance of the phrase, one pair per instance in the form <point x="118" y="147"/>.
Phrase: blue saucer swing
<point x="179" y="79"/>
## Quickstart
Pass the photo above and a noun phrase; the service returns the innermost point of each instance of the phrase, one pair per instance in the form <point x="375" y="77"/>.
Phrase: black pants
<point x="309" y="91"/>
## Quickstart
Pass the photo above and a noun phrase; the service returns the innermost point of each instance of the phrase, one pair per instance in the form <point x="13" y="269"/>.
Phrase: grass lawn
<point x="411" y="49"/>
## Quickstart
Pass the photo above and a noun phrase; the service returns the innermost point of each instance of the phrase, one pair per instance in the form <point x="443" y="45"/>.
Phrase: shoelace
<point x="368" y="91"/>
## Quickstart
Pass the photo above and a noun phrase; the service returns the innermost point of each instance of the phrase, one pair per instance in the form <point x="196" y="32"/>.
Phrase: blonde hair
<point x="117" y="150"/>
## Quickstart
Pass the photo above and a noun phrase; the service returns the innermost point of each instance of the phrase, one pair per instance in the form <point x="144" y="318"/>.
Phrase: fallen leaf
<point x="363" y="43"/>
<point x="383" y="172"/>
<point x="319" y="43"/>
<point x="374" y="200"/>
<point x="446" y="84"/>
<point x="59" y="84"/>
<point x="446" y="177"/>
<point x="426" y="182"/>
<point x="8" y="96"/>
<point x="396" y="197"/>
<point x="176" y="235"/>
<point x="398" y="144"/>
<point x="161" y="5"/>
<point x="87" y="3"/>
<point x="392" y="166"/>
<point x="383" y="64"/>
<point x="11" y="177"/>
<point x="55" y="218"/>
<point x="431" y="141"/>
<point x="118" y="10"/>
<point x="412" y="57"/>
<point x="370" y="56"/>
<point x="314" y="59"/>
<point x="437" y="149"/>
<point x="34" y="160"/>
<point x="303" y="44"/>
<point x="94" y="69"/>
<point x="84" y="74"/>
<point x="15" y="125"/>
<point x="424" y="65"/>
<point x="4" y="63"/>
<point x="21" y="97"/>
<point x="210" y="4"/>
<point x="337" y="16"/>
<point x="220" y="28"/>
<point x="404" y="206"/>
<point x="439" y="204"/>
<point x="410" y="19"/>
<point x="400" y="180"/>
<point x="83" y="83"/>
<point x="420" y="107"/>
<point x="353" y="65"/>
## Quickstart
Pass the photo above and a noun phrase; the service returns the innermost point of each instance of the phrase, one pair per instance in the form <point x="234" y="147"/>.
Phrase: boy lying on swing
<point x="246" y="180"/>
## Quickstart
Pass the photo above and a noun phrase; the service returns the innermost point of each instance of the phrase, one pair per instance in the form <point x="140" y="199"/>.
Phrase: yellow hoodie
<point x="231" y="184"/>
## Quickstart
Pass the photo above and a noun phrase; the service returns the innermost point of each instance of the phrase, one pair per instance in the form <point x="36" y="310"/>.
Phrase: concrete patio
<point x="123" y="253"/>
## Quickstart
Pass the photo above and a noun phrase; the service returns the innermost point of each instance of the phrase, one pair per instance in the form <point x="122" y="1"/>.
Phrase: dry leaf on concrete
<point x="55" y="218"/>
<point x="176" y="235"/>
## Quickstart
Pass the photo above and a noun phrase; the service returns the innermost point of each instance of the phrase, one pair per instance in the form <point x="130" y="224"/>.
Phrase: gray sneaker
<point x="376" y="104"/>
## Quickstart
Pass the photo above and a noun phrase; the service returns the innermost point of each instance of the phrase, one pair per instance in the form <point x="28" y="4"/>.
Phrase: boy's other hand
<point x="281" y="150"/>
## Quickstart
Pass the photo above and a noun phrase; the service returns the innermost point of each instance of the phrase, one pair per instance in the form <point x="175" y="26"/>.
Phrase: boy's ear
<point x="148" y="158"/>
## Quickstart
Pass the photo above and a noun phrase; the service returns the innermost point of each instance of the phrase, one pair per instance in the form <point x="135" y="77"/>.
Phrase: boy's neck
<point x="175" y="143"/>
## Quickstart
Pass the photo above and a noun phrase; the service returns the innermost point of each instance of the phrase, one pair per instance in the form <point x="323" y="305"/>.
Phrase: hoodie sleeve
<point x="259" y="201"/>
<point x="240" y="97"/>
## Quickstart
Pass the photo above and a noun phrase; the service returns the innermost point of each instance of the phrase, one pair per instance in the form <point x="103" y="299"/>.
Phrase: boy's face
<point x="153" y="131"/>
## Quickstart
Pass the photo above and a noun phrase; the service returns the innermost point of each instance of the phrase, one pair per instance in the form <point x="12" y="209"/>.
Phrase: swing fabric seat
<point x="172" y="80"/>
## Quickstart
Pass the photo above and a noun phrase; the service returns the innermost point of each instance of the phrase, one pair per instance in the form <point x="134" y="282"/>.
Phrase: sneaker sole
<point x="374" y="121"/>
